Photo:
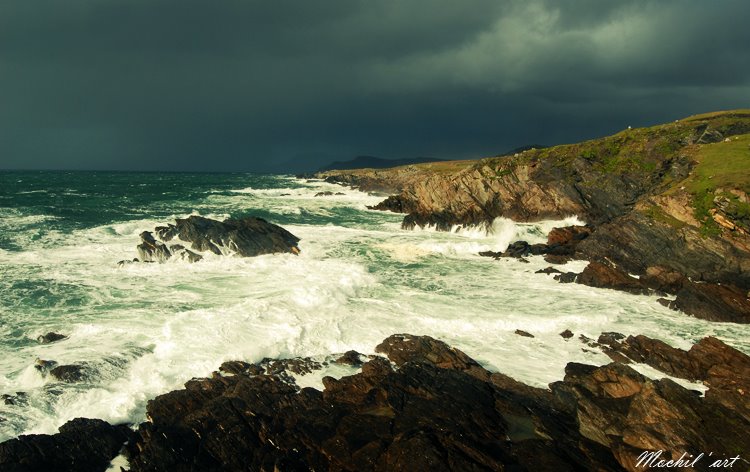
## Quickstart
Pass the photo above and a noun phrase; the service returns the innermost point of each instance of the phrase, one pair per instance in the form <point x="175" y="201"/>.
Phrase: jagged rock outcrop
<point x="82" y="445"/>
<point x="438" y="409"/>
<point x="655" y="197"/>
<point x="244" y="237"/>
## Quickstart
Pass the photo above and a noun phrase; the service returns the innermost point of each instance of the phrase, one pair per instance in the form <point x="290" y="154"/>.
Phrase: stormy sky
<point x="248" y="85"/>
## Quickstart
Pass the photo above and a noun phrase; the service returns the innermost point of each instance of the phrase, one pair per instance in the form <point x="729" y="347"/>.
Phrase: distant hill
<point x="372" y="162"/>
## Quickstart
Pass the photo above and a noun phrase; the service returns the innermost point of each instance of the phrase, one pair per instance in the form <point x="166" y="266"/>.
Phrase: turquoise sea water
<point x="144" y="329"/>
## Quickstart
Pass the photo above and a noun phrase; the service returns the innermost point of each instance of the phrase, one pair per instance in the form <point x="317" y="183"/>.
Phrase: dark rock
<point x="44" y="366"/>
<point x="566" y="277"/>
<point x="556" y="259"/>
<point x="127" y="262"/>
<point x="324" y="194"/>
<point x="151" y="250"/>
<point x="81" y="445"/>
<point x="68" y="373"/>
<point x="419" y="417"/>
<point x="518" y="249"/>
<point x="548" y="270"/>
<point x="601" y="275"/>
<point x="245" y="237"/>
<point x="713" y="302"/>
<point x="493" y="254"/>
<point x="567" y="334"/>
<point x="20" y="398"/>
<point x="50" y="338"/>
<point x="403" y="348"/>
<point x="663" y="279"/>
<point x="567" y="235"/>
<point x="523" y="333"/>
<point x="352" y="358"/>
<point x="234" y="367"/>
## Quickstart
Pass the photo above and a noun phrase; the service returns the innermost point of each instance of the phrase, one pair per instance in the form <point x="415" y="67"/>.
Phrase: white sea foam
<point x="144" y="329"/>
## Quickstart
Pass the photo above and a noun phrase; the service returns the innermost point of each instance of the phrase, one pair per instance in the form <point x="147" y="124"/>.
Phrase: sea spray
<point x="144" y="329"/>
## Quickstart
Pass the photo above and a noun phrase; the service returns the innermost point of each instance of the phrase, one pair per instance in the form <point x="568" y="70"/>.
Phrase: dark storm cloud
<point x="251" y="85"/>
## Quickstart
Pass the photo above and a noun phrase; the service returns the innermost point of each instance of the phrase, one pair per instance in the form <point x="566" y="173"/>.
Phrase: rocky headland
<point x="423" y="405"/>
<point x="669" y="202"/>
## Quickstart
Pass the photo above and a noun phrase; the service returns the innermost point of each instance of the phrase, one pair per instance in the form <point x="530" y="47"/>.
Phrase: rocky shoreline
<point x="660" y="200"/>
<point x="423" y="405"/>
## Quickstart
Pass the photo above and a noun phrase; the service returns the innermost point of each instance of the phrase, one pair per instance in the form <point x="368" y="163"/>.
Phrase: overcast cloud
<point x="291" y="85"/>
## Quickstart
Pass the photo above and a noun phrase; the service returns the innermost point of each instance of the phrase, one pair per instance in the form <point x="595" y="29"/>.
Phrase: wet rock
<point x="663" y="279"/>
<point x="20" y="398"/>
<point x="601" y="275"/>
<point x="151" y="250"/>
<point x="567" y="334"/>
<point x="324" y="194"/>
<point x="234" y="367"/>
<point x="523" y="333"/>
<point x="557" y="259"/>
<point x="82" y="445"/>
<point x="244" y="237"/>
<point x="567" y="235"/>
<point x="713" y="302"/>
<point x="125" y="262"/>
<point x="418" y="417"/>
<point x="44" y="366"/>
<point x="403" y="348"/>
<point x="181" y="252"/>
<point x="352" y="358"/>
<point x="566" y="277"/>
<point x="50" y="337"/>
<point x="548" y="270"/>
<point x="68" y="373"/>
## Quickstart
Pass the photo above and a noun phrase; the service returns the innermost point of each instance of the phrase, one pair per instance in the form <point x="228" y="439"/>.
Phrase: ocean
<point x="140" y="330"/>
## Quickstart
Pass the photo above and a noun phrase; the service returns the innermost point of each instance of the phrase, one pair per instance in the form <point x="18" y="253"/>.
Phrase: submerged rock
<point x="82" y="445"/>
<point x="244" y="237"/>
<point x="68" y="373"/>
<point x="50" y="337"/>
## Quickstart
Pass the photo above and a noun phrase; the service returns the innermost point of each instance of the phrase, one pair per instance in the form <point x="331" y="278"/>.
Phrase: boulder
<point x="713" y="302"/>
<point x="50" y="337"/>
<point x="68" y="373"/>
<point x="601" y="275"/>
<point x="81" y="445"/>
<point x="151" y="250"/>
<point x="244" y="237"/>
<point x="523" y="333"/>
<point x="352" y="358"/>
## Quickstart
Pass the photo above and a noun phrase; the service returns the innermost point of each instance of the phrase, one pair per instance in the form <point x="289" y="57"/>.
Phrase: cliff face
<point x="674" y="195"/>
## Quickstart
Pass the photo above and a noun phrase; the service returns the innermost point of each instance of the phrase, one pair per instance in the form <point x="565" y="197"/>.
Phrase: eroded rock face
<point x="245" y="237"/>
<point x="81" y="445"/>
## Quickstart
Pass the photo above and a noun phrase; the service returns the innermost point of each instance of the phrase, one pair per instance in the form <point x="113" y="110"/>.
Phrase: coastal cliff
<point x="672" y="197"/>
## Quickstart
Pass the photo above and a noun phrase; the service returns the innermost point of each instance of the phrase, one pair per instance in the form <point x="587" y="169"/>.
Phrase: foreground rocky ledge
<point x="428" y="406"/>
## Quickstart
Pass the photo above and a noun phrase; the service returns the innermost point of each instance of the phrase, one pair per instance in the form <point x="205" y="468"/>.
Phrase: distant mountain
<point x="372" y="162"/>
